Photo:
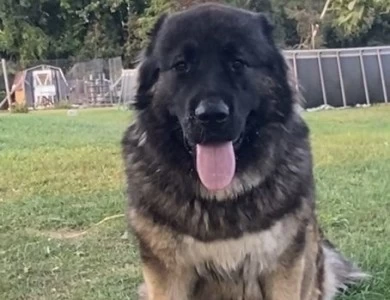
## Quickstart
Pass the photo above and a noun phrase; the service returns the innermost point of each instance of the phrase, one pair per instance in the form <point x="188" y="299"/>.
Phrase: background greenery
<point x="84" y="29"/>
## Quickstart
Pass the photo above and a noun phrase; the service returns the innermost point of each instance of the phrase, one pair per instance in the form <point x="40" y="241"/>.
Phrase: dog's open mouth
<point x="216" y="163"/>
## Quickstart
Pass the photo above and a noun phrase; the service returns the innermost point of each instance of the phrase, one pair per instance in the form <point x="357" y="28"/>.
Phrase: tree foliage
<point x="50" y="29"/>
<point x="358" y="17"/>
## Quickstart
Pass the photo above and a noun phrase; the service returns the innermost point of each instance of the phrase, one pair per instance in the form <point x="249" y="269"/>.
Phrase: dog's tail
<point x="339" y="273"/>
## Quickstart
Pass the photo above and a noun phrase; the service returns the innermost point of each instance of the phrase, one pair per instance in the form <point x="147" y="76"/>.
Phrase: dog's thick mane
<point x="279" y="179"/>
<point x="268" y="207"/>
<point x="274" y="163"/>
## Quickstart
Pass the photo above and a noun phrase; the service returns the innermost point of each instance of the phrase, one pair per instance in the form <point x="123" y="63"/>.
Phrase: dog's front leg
<point x="162" y="284"/>
<point x="285" y="283"/>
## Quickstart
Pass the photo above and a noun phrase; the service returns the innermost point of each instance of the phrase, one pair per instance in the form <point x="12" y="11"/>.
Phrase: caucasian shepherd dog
<point x="219" y="167"/>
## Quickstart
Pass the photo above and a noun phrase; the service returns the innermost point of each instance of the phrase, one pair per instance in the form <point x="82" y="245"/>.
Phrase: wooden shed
<point x="39" y="86"/>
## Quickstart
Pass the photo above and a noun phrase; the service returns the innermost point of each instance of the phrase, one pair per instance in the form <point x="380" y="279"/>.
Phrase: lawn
<point x="61" y="175"/>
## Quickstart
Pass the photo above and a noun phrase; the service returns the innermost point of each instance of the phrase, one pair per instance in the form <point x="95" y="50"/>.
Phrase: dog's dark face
<point x="215" y="71"/>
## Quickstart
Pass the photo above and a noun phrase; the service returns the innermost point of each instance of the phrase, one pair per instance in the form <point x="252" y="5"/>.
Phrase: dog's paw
<point x="142" y="292"/>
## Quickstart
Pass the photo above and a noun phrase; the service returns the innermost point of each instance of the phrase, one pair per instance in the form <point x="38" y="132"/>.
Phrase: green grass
<point x="60" y="175"/>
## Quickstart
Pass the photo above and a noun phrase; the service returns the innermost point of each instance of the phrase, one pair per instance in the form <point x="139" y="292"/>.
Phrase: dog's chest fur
<point x="248" y="255"/>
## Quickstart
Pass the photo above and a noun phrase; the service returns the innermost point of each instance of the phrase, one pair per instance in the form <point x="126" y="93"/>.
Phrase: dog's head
<point x="216" y="72"/>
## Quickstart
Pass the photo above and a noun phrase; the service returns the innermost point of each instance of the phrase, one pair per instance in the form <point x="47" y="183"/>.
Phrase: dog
<point x="218" y="164"/>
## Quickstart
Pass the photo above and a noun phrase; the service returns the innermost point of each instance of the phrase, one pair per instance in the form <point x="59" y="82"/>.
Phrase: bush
<point x="63" y="104"/>
<point x="20" y="108"/>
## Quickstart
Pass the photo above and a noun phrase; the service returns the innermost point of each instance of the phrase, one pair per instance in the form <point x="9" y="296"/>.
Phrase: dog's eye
<point x="181" y="67"/>
<point x="237" y="65"/>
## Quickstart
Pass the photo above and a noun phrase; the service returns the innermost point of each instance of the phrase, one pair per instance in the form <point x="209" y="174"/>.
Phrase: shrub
<point x="62" y="104"/>
<point x="20" y="108"/>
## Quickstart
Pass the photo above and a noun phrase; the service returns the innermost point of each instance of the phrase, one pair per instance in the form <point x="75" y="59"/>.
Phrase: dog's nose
<point x="213" y="110"/>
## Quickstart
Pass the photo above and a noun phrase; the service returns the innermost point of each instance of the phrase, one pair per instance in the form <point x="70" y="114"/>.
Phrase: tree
<point x="48" y="29"/>
<point x="28" y="28"/>
<point x="355" y="17"/>
<point x="100" y="26"/>
<point x="139" y="26"/>
<point x="51" y="29"/>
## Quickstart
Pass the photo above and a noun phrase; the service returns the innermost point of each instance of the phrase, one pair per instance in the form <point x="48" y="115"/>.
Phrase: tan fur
<point x="285" y="283"/>
<point x="296" y="281"/>
<point x="265" y="247"/>
<point x="155" y="284"/>
<point x="284" y="276"/>
<point x="162" y="283"/>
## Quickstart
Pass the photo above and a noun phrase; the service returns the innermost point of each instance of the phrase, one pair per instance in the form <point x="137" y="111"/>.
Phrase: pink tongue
<point x="216" y="165"/>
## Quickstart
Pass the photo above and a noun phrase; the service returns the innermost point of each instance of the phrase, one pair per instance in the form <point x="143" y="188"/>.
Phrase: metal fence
<point x="331" y="77"/>
<point x="63" y="82"/>
<point x="342" y="77"/>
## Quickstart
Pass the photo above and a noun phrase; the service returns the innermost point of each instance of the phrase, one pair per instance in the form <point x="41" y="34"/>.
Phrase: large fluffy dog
<point x="219" y="168"/>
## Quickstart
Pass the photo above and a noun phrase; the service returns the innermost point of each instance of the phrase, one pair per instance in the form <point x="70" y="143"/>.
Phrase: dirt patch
<point x="60" y="234"/>
<point x="65" y="233"/>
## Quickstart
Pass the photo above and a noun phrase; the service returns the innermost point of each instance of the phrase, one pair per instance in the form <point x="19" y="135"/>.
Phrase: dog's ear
<point x="148" y="69"/>
<point x="266" y="25"/>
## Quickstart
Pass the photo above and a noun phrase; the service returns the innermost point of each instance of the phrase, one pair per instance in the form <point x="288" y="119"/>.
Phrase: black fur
<point x="275" y="140"/>
<point x="216" y="52"/>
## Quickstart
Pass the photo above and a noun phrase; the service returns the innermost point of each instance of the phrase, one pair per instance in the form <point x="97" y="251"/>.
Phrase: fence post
<point x="295" y="71"/>
<point x="341" y="78"/>
<point x="323" y="89"/>
<point x="382" y="74"/>
<point x="364" y="76"/>
<point x="4" y="64"/>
